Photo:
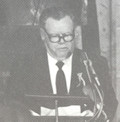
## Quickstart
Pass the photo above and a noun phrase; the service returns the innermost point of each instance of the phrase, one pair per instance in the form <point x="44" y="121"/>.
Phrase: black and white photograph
<point x="59" y="60"/>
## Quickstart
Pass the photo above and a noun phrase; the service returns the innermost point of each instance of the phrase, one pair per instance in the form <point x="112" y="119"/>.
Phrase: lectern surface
<point x="60" y="119"/>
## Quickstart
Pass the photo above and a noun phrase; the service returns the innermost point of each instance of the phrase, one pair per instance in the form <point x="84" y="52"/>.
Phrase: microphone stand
<point x="95" y="85"/>
<point x="56" y="110"/>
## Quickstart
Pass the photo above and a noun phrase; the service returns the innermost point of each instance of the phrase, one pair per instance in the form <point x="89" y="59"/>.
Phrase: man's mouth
<point x="63" y="49"/>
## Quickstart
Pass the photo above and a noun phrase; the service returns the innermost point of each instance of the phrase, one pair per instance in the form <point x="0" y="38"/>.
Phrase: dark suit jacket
<point x="30" y="75"/>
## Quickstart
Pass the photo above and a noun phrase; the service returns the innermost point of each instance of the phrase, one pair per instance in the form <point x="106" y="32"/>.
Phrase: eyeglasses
<point x="57" y="38"/>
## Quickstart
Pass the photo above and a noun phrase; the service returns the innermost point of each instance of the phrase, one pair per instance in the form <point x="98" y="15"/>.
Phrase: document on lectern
<point x="73" y="110"/>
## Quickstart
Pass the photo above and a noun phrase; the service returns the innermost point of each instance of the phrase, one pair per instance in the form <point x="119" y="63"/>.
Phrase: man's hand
<point x="88" y="91"/>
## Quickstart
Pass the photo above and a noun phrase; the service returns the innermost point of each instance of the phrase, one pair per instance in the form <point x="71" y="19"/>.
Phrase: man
<point x="40" y="73"/>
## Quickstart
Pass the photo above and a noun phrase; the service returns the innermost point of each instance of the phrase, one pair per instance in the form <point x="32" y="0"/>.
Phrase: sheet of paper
<point x="73" y="110"/>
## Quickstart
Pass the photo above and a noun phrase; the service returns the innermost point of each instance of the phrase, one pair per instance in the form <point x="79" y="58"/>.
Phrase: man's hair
<point x="56" y="13"/>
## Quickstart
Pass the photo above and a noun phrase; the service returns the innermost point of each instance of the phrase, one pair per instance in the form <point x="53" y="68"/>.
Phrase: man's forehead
<point x="63" y="23"/>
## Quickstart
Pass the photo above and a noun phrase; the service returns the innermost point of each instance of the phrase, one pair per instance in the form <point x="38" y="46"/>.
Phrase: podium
<point x="54" y="99"/>
<point x="53" y="102"/>
<point x="60" y="119"/>
<point x="65" y="119"/>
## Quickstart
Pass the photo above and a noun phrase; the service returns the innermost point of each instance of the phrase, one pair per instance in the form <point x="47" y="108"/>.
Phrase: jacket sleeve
<point x="110" y="102"/>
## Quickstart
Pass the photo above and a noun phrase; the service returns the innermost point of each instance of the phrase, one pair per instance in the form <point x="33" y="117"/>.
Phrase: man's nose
<point x="62" y="41"/>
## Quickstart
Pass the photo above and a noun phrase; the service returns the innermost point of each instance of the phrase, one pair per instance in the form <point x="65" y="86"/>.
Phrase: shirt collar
<point x="68" y="60"/>
<point x="54" y="61"/>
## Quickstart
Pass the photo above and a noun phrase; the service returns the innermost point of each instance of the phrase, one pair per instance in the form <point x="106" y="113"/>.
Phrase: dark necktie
<point x="60" y="80"/>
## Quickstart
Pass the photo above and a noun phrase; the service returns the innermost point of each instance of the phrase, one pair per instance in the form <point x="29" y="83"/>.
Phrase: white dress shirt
<point x="53" y="69"/>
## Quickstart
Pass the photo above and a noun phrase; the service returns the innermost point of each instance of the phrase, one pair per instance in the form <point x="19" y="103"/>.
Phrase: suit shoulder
<point x="79" y="53"/>
<point x="99" y="60"/>
<point x="79" y="50"/>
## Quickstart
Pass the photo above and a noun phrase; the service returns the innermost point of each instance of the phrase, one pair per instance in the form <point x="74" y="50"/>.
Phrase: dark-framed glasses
<point x="67" y="37"/>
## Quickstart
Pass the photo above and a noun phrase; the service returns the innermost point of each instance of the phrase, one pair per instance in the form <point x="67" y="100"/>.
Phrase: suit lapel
<point x="77" y="67"/>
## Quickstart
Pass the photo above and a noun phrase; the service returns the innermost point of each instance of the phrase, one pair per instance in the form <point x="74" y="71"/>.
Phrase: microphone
<point x="94" y="91"/>
<point x="91" y="71"/>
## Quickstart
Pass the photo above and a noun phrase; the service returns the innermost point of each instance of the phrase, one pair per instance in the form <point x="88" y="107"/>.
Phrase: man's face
<point x="59" y="37"/>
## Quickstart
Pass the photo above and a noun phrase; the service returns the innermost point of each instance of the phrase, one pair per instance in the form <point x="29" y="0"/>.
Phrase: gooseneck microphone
<point x="96" y="90"/>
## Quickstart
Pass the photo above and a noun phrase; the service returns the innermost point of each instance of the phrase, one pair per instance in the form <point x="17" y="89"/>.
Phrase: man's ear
<point x="78" y="37"/>
<point x="42" y="34"/>
<point x="77" y="31"/>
